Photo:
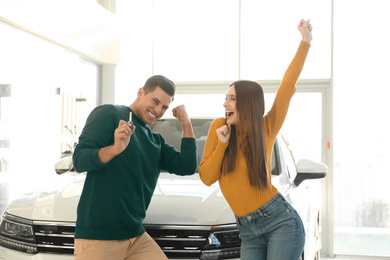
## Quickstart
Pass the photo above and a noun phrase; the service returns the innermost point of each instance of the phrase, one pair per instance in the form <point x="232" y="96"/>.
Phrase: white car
<point x="188" y="219"/>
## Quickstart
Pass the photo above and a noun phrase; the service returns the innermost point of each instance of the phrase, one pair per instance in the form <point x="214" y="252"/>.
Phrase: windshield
<point x="171" y="130"/>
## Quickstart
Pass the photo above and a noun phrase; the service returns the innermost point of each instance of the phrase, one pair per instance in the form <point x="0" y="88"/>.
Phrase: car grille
<point x="54" y="237"/>
<point x="175" y="241"/>
<point x="180" y="241"/>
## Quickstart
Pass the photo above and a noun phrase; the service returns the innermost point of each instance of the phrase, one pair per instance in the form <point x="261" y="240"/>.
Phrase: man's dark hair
<point x="160" y="81"/>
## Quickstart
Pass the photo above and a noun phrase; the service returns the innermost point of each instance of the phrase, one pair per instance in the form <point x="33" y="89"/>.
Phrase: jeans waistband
<point x="278" y="198"/>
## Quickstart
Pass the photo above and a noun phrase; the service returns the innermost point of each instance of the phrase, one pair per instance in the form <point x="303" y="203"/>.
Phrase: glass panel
<point x="361" y="129"/>
<point x="136" y="48"/>
<point x="200" y="105"/>
<point x="270" y="37"/>
<point x="302" y="125"/>
<point x="51" y="91"/>
<point x="196" y="39"/>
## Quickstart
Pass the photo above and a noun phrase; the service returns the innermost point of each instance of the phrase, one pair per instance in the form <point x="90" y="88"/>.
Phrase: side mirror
<point x="307" y="170"/>
<point x="64" y="165"/>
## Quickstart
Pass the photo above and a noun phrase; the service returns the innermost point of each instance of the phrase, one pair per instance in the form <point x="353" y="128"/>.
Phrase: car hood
<point x="177" y="200"/>
<point x="57" y="201"/>
<point x="185" y="200"/>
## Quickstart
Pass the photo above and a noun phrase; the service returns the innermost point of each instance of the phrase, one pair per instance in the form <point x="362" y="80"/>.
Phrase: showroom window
<point x="45" y="94"/>
<point x="303" y="127"/>
<point x="269" y="38"/>
<point x="197" y="42"/>
<point x="361" y="128"/>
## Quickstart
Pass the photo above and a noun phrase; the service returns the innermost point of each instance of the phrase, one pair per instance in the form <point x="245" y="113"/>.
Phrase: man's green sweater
<point x="116" y="194"/>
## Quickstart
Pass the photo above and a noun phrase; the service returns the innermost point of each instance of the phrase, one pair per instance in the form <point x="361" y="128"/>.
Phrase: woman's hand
<point x="223" y="133"/>
<point x="305" y="29"/>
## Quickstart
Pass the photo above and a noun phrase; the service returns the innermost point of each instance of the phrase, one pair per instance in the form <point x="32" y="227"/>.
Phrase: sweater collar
<point x="136" y="119"/>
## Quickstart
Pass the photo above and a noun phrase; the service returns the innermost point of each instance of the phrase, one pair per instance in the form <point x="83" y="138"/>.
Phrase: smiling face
<point x="230" y="106"/>
<point x="151" y="106"/>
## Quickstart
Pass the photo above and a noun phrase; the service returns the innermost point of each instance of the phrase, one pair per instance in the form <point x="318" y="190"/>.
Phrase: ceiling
<point x="83" y="26"/>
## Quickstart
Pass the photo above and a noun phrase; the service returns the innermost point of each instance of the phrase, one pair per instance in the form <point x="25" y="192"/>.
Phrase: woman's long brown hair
<point x="250" y="108"/>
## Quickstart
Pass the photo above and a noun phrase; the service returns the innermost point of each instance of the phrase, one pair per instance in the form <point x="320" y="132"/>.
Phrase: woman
<point x="238" y="154"/>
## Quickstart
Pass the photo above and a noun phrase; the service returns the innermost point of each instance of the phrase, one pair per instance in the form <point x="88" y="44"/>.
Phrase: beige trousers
<point x="138" y="248"/>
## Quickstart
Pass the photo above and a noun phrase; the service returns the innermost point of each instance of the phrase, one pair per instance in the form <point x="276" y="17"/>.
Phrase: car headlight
<point x="223" y="243"/>
<point x="17" y="233"/>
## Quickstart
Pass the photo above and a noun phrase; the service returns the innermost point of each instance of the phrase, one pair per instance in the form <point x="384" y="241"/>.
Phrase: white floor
<point x="356" y="258"/>
<point x="326" y="258"/>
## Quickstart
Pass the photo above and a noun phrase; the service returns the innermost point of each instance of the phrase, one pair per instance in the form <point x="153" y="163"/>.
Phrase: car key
<point x="131" y="121"/>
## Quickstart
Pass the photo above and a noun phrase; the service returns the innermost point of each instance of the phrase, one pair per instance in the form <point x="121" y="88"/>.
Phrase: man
<point x="123" y="161"/>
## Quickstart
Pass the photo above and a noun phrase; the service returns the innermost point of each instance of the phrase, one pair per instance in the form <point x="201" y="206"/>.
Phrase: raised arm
<point x="275" y="117"/>
<point x="184" y="162"/>
<point x="305" y="29"/>
<point x="181" y="114"/>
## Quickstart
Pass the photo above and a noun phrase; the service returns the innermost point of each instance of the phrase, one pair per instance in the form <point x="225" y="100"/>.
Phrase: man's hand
<point x="181" y="114"/>
<point x="122" y="137"/>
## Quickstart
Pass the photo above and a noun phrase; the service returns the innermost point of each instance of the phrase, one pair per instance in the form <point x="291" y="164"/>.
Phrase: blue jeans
<point x="273" y="232"/>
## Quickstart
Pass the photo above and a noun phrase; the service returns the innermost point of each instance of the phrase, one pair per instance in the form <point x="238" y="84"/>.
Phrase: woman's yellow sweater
<point x="241" y="196"/>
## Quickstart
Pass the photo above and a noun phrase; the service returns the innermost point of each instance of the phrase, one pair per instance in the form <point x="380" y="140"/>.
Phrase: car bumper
<point x="8" y="254"/>
<point x="198" y="258"/>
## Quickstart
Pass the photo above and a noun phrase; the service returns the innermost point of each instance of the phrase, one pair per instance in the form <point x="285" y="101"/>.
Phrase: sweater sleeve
<point x="181" y="163"/>
<point x="214" y="151"/>
<point x="98" y="132"/>
<point x="275" y="117"/>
